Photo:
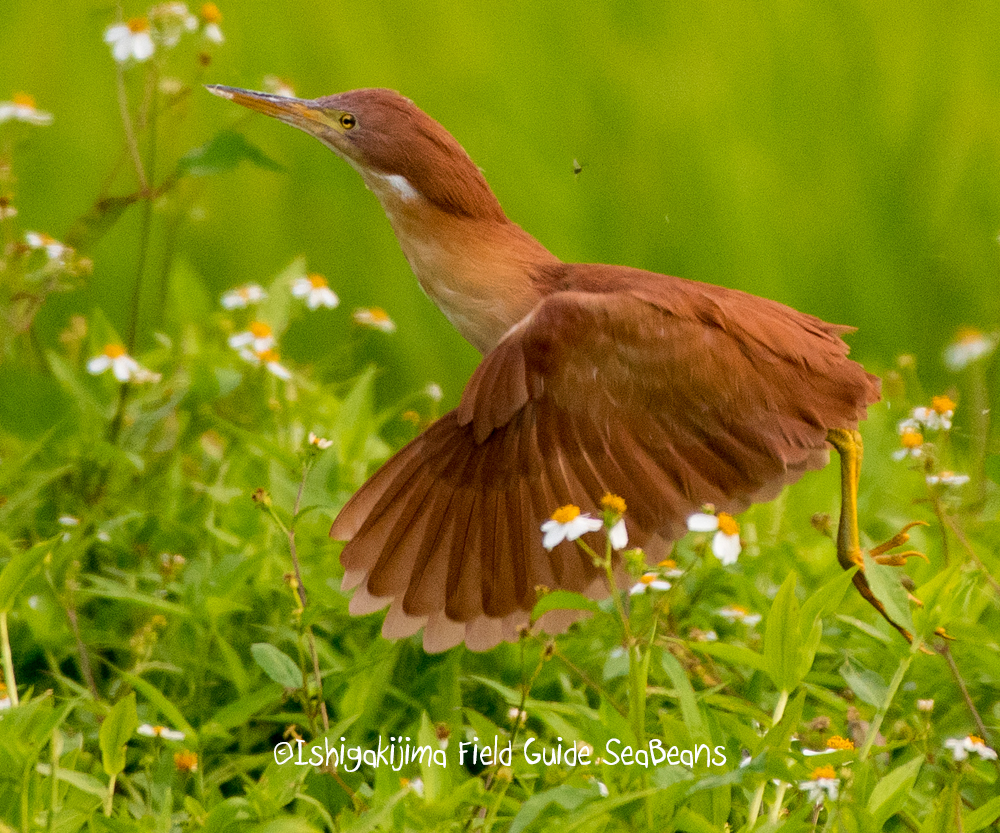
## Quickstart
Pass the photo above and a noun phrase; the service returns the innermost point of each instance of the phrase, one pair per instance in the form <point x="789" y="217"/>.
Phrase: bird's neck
<point x="478" y="271"/>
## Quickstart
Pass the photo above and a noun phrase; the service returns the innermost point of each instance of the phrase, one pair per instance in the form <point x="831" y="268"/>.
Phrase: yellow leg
<point x="851" y="450"/>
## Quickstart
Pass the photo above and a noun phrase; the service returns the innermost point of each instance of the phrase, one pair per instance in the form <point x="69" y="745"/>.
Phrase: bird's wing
<point x="668" y="393"/>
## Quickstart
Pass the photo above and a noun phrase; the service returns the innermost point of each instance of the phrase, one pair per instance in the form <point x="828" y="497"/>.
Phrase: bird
<point x="669" y="393"/>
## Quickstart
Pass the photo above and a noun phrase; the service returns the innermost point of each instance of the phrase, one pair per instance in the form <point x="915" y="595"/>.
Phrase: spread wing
<point x="666" y="392"/>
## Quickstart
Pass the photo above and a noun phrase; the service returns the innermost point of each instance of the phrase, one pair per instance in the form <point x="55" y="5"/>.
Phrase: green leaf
<point x="982" y="817"/>
<point x="732" y="655"/>
<point x="563" y="600"/>
<point x="884" y="582"/>
<point x="277" y="665"/>
<point x="826" y="600"/>
<point x="782" y="638"/>
<point x="156" y="697"/>
<point x="864" y="682"/>
<point x="116" y="730"/>
<point x="224" y="152"/>
<point x="890" y="793"/>
<point x="18" y="570"/>
<point x="690" y="712"/>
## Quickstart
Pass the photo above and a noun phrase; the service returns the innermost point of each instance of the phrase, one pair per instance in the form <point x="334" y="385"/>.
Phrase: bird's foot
<point x="882" y="555"/>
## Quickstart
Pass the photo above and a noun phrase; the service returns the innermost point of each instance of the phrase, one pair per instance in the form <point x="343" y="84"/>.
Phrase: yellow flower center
<point x="742" y="611"/>
<point x="727" y="525"/>
<point x="378" y="315"/>
<point x="317" y="281"/>
<point x="186" y="761"/>
<point x="823" y="772"/>
<point x="647" y="578"/>
<point x="911" y="439"/>
<point x="24" y="100"/>
<point x="942" y="404"/>
<point x="268" y="356"/>
<point x="260" y="330"/>
<point x="968" y="335"/>
<point x="565" y="514"/>
<point x="837" y="742"/>
<point x="975" y="740"/>
<point x="138" y="25"/>
<point x="210" y="13"/>
<point x="114" y="351"/>
<point x="410" y="416"/>
<point x="613" y="503"/>
<point x="668" y="564"/>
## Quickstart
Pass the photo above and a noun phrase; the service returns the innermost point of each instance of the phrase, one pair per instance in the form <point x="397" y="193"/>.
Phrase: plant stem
<point x="897" y="681"/>
<point x="8" y="660"/>
<point x="758" y="797"/>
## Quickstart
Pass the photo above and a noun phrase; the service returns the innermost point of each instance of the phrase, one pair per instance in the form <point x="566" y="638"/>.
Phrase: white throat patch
<point x="399" y="186"/>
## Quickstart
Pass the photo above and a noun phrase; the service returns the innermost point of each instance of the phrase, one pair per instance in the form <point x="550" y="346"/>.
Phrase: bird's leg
<point x="849" y="554"/>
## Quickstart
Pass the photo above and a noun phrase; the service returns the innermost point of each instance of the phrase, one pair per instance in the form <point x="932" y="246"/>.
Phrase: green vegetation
<point x="171" y="624"/>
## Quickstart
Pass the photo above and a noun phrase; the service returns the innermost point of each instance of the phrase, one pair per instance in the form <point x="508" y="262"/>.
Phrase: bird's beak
<point x="297" y="112"/>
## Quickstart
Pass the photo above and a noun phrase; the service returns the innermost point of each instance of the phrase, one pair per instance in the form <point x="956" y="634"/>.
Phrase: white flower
<point x="935" y="418"/>
<point x="123" y="366"/>
<point x="316" y="291"/>
<point x="738" y="613"/>
<point x="925" y="705"/>
<point x="567" y="524"/>
<point x="824" y="784"/>
<point x="947" y="478"/>
<point x="278" y="86"/>
<point x="258" y="338"/>
<point x="55" y="250"/>
<point x="211" y="17"/>
<point x="961" y="747"/>
<point x="434" y="392"/>
<point x="726" y="541"/>
<point x="146" y="730"/>
<point x="22" y="108"/>
<point x="320" y="442"/>
<point x="243" y="296"/>
<point x="969" y="346"/>
<point x="5" y="703"/>
<point x="270" y="360"/>
<point x="376" y="318"/>
<point x="130" y="40"/>
<point x="649" y="581"/>
<point x="171" y="20"/>
<point x="68" y="520"/>
<point x="911" y="438"/>
<point x="618" y="535"/>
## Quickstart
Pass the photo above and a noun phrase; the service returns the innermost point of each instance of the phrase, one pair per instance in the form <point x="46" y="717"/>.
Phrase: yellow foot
<point x="881" y="552"/>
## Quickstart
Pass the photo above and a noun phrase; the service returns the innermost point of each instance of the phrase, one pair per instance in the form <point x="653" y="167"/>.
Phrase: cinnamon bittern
<point x="596" y="379"/>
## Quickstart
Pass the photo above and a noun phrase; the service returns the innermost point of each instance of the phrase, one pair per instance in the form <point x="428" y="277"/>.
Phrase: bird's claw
<point x="882" y="555"/>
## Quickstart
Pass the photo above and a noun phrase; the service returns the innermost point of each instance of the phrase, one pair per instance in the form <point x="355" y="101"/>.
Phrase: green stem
<point x="8" y="660"/>
<point x="758" y="797"/>
<point x="890" y="695"/>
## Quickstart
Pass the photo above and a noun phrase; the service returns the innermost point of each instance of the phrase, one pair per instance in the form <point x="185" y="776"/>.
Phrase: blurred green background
<point x="841" y="157"/>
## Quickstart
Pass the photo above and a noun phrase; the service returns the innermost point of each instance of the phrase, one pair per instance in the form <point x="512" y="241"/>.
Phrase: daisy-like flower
<point x="55" y="250"/>
<point x="614" y="509"/>
<point x="838" y="743"/>
<point x="517" y="716"/>
<point x="910" y="438"/>
<point x="415" y="785"/>
<point x="149" y="731"/>
<point x="186" y="761"/>
<point x="434" y="392"/>
<point x="278" y="86"/>
<point x="243" y="296"/>
<point x="258" y="338"/>
<point x="374" y="317"/>
<point x="947" y="478"/>
<point x="567" y="524"/>
<point x="937" y="417"/>
<point x="649" y="581"/>
<point x="130" y="40"/>
<point x="270" y="359"/>
<point x="961" y="747"/>
<point x="316" y="291"/>
<point x="170" y="21"/>
<point x="122" y="365"/>
<point x="22" y="108"/>
<point x="738" y="613"/>
<point x="319" y="442"/>
<point x="926" y="706"/>
<point x="823" y="784"/>
<point x="211" y="17"/>
<point x="969" y="345"/>
<point x="726" y="541"/>
<point x="669" y="568"/>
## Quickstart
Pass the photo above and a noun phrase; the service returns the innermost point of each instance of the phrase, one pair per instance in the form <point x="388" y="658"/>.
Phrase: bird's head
<point x="397" y="148"/>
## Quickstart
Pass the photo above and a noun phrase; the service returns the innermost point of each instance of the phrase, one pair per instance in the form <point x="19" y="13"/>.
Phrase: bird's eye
<point x="347" y="121"/>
